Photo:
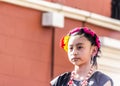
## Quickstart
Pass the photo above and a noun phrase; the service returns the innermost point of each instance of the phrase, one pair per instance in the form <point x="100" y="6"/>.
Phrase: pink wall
<point x="102" y="7"/>
<point x="25" y="47"/>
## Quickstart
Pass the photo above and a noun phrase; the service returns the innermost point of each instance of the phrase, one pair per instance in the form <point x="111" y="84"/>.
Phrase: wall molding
<point x="110" y="42"/>
<point x="69" y="12"/>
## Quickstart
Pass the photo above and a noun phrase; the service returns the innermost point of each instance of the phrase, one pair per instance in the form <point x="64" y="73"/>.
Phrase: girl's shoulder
<point x="100" y="78"/>
<point x="64" y="77"/>
<point x="99" y="75"/>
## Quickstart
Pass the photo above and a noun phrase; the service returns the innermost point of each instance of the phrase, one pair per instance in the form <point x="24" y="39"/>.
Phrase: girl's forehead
<point x="77" y="39"/>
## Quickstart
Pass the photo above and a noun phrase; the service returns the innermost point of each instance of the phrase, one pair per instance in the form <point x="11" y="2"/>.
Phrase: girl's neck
<point x="81" y="71"/>
<point x="81" y="74"/>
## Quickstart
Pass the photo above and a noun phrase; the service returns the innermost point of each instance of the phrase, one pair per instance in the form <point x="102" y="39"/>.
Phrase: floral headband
<point x="65" y="39"/>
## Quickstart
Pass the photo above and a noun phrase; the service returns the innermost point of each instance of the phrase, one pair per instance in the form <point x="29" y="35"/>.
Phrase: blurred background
<point x="30" y="31"/>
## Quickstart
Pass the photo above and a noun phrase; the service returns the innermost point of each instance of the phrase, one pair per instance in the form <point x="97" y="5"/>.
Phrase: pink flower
<point x="86" y="30"/>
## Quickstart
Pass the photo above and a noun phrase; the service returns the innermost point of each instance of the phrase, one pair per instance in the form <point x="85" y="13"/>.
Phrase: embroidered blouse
<point x="97" y="79"/>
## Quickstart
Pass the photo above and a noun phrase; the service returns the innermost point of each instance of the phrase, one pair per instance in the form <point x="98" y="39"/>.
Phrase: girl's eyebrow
<point x="76" y="44"/>
<point x="79" y="44"/>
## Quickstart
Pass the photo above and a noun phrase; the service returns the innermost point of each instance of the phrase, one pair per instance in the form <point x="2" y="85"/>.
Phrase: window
<point x="115" y="9"/>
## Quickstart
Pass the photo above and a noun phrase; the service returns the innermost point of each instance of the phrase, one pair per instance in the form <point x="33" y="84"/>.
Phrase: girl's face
<point x="79" y="50"/>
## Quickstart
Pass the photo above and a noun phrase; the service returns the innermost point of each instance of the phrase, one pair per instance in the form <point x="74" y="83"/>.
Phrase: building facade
<point x="29" y="51"/>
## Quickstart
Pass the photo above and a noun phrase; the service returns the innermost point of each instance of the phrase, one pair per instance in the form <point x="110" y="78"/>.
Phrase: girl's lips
<point x="75" y="58"/>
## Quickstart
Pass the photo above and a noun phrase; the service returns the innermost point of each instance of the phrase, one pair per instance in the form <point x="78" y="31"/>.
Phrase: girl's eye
<point x="70" y="48"/>
<point x="79" y="47"/>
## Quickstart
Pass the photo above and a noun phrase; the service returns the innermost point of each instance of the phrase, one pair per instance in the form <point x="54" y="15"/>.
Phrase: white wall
<point x="109" y="63"/>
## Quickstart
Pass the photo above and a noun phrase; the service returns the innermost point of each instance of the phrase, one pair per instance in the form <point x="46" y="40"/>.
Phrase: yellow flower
<point x="66" y="39"/>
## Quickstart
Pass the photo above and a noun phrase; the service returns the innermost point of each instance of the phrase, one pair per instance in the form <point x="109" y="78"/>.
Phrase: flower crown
<point x="65" y="39"/>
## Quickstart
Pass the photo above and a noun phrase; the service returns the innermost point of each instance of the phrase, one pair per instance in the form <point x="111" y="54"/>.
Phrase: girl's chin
<point x="76" y="63"/>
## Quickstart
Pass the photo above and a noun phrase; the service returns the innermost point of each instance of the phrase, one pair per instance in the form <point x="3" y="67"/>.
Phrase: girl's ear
<point x="94" y="51"/>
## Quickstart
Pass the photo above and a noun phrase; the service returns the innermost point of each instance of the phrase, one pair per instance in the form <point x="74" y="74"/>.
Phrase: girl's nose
<point x="75" y="52"/>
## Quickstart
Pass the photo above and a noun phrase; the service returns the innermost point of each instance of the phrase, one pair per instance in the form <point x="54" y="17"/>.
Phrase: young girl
<point x="82" y="46"/>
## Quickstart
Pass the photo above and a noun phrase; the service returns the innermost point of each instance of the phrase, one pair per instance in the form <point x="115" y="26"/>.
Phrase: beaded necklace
<point x="84" y="82"/>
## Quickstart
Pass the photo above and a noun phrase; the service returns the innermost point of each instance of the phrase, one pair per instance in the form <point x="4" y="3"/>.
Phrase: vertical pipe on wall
<point x="52" y="52"/>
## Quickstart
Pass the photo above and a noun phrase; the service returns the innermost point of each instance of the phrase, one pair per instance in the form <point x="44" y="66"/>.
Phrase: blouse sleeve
<point x="103" y="79"/>
<point x="54" y="81"/>
<point x="61" y="79"/>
